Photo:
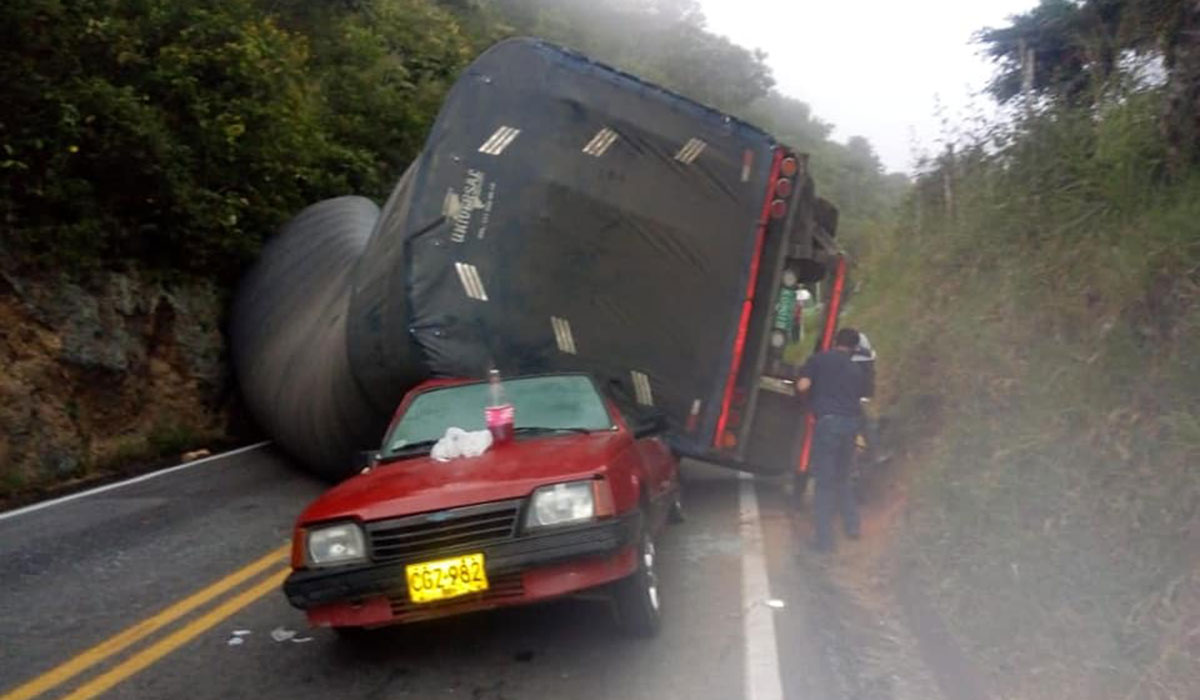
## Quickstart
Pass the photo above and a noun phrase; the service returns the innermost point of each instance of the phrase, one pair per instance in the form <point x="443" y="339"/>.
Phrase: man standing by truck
<point x="836" y="384"/>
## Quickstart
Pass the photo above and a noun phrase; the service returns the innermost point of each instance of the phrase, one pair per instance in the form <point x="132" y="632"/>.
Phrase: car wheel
<point x="637" y="596"/>
<point x="676" y="514"/>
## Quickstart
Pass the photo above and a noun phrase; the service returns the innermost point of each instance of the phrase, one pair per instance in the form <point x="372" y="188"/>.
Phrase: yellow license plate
<point x="445" y="578"/>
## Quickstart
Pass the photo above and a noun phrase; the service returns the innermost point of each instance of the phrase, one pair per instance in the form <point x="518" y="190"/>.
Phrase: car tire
<point x="636" y="597"/>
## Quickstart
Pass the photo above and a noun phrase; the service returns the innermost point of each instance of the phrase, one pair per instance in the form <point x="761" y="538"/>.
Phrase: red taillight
<point x="788" y="167"/>
<point x="783" y="188"/>
<point x="778" y="209"/>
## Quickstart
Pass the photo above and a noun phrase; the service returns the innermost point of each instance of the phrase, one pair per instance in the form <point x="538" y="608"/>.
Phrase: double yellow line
<point x="141" y="630"/>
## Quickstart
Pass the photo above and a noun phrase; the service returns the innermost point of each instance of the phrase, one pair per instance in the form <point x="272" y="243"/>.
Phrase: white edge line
<point x="758" y="621"/>
<point x="127" y="482"/>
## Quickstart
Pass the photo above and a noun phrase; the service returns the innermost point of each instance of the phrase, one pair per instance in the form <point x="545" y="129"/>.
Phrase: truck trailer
<point x="563" y="216"/>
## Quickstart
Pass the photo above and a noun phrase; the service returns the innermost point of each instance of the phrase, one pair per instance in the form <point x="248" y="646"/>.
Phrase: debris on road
<point x="281" y="634"/>
<point x="194" y="455"/>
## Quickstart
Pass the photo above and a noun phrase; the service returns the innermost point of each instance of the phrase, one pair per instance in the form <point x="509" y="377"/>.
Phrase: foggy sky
<point x="875" y="68"/>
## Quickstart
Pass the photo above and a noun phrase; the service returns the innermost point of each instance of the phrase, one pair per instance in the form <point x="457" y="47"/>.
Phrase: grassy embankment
<point x="1037" y="314"/>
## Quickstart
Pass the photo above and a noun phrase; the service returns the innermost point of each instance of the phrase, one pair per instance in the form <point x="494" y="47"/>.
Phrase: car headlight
<point x="560" y="504"/>
<point x="336" y="544"/>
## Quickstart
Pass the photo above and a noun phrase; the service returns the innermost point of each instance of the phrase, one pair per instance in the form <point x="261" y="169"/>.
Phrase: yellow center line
<point x="141" y="630"/>
<point x="178" y="638"/>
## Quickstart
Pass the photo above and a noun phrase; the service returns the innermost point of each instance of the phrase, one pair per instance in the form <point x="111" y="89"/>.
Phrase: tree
<point x="153" y="129"/>
<point x="663" y="41"/>
<point x="1058" y="49"/>
<point x="1069" y="51"/>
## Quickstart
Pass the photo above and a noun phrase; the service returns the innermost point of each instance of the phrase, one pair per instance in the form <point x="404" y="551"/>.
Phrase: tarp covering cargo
<point x="562" y="216"/>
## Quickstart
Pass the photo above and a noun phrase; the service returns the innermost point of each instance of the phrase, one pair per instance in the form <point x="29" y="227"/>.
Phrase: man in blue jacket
<point x="837" y="385"/>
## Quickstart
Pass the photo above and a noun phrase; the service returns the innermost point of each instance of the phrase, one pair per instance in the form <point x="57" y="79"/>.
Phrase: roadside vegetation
<point x="179" y="135"/>
<point x="1037" y="314"/>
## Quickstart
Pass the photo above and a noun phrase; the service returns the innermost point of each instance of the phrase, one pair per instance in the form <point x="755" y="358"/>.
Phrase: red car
<point x="572" y="503"/>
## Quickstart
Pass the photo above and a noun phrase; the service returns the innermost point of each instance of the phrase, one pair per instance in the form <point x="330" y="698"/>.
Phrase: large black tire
<point x="288" y="338"/>
<point x="636" y="597"/>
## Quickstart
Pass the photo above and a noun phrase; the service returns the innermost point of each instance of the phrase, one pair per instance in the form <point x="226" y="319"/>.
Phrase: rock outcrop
<point x="104" y="369"/>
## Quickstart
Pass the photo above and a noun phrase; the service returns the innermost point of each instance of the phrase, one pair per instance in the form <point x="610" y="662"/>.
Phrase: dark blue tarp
<point x="562" y="216"/>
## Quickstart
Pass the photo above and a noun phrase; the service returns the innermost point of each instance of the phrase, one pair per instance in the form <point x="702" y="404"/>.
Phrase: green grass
<point x="1038" y="363"/>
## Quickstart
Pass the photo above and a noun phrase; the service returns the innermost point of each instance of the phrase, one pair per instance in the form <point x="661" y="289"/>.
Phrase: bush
<point x="1036" y="315"/>
<point x="181" y="134"/>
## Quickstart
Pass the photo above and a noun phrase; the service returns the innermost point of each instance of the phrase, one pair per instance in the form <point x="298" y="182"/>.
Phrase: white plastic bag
<point x="461" y="443"/>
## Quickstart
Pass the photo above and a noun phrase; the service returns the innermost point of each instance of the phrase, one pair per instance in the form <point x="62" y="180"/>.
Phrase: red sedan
<point x="572" y="503"/>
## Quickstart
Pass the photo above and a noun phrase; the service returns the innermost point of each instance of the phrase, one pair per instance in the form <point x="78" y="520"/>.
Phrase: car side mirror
<point x="365" y="459"/>
<point x="652" y="423"/>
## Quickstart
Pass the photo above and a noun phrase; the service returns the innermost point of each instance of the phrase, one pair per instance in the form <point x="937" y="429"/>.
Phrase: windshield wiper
<point x="409" y="450"/>
<point x="539" y="429"/>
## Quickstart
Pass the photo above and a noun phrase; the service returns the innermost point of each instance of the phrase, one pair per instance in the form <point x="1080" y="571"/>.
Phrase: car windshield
<point x="561" y="402"/>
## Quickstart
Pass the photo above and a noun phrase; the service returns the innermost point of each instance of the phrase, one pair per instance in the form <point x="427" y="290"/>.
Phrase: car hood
<point x="422" y="484"/>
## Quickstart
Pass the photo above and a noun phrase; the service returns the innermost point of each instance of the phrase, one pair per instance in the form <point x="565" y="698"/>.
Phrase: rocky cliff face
<point x="101" y="371"/>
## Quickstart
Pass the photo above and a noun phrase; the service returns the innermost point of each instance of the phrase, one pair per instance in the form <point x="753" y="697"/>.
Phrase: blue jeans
<point x="833" y="448"/>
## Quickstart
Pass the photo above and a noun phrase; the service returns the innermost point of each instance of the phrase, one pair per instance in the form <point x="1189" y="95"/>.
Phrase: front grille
<point x="444" y="532"/>
<point x="501" y="589"/>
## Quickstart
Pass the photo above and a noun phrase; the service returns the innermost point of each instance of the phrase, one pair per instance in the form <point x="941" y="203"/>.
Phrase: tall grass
<point x="1038" y="331"/>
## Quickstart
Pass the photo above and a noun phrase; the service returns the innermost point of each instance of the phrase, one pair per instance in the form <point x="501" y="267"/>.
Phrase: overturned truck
<point x="563" y="216"/>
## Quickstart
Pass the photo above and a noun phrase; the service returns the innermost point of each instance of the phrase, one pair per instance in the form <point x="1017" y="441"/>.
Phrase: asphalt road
<point x="168" y="588"/>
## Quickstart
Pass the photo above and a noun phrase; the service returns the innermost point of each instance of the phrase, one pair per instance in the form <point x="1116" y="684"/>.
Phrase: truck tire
<point x="636" y="597"/>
